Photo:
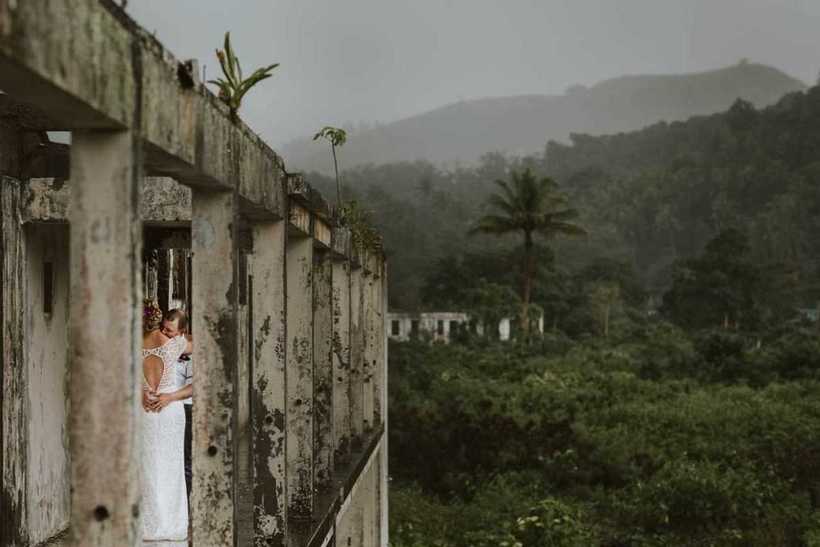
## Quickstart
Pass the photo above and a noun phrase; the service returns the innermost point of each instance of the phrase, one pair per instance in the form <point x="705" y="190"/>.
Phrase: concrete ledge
<point x="329" y="501"/>
<point x="299" y="190"/>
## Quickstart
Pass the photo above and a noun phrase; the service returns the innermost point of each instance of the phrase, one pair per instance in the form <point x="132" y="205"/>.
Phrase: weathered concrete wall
<point x="48" y="474"/>
<point x="162" y="201"/>
<point x="98" y="70"/>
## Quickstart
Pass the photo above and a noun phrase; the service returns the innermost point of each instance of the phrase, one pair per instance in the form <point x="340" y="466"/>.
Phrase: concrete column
<point x="299" y="403"/>
<point x="379" y="327"/>
<point x="215" y="321"/>
<point x="369" y="348"/>
<point x="243" y="476"/>
<point x="105" y="335"/>
<point x="15" y="420"/>
<point x="341" y="359"/>
<point x="268" y="384"/>
<point x="356" y="388"/>
<point x="322" y="369"/>
<point x="383" y="382"/>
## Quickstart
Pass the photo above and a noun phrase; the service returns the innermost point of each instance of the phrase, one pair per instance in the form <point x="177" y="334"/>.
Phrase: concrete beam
<point x="215" y="322"/>
<point x="105" y="328"/>
<point x="188" y="133"/>
<point x="299" y="404"/>
<point x="268" y="382"/>
<point x="162" y="201"/>
<point x="322" y="369"/>
<point x="322" y="233"/>
<point x="68" y="69"/>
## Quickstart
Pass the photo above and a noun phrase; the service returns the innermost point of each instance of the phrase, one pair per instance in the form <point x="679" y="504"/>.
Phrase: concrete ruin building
<point x="288" y="312"/>
<point x="441" y="326"/>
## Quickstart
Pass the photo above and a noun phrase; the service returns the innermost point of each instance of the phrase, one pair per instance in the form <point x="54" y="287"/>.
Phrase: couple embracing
<point x="165" y="442"/>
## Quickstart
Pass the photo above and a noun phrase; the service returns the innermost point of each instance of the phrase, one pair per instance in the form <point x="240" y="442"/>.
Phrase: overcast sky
<point x="346" y="61"/>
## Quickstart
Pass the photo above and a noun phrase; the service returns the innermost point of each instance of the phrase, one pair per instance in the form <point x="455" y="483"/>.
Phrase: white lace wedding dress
<point x="164" y="498"/>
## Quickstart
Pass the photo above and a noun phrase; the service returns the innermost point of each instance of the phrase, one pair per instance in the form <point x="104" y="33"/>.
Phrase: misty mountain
<point x="463" y="131"/>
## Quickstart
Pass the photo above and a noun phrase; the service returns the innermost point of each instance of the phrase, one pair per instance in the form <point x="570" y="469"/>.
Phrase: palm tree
<point x="530" y="206"/>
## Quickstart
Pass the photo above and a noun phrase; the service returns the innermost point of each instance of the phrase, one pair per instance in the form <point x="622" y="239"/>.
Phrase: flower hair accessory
<point x="151" y="314"/>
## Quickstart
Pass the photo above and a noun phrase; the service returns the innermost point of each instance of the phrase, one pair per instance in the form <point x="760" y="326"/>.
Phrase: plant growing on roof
<point x="362" y="233"/>
<point x="233" y="87"/>
<point x="336" y="137"/>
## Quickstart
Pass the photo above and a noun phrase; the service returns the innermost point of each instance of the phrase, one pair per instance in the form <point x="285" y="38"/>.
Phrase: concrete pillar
<point x="341" y="359"/>
<point x="383" y="382"/>
<point x="322" y="369"/>
<point x="268" y="384"/>
<point x="356" y="388"/>
<point x="215" y="322"/>
<point x="13" y="512"/>
<point x="379" y="327"/>
<point x="369" y="347"/>
<point x="299" y="403"/>
<point x="243" y="481"/>
<point x="105" y="327"/>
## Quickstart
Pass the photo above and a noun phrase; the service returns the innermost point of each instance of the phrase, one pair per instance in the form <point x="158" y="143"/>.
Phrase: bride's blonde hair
<point x="151" y="315"/>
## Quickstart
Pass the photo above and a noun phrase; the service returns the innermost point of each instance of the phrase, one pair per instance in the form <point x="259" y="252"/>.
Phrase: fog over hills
<point x="461" y="132"/>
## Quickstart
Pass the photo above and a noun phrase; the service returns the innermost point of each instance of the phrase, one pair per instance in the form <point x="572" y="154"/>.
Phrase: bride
<point x="164" y="497"/>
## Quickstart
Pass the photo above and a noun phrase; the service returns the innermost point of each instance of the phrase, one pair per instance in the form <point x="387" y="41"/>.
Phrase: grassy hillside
<point x="463" y="131"/>
<point x="648" y="197"/>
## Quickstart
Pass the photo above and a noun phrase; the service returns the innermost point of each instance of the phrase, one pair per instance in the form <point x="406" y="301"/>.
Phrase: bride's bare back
<point x="159" y="353"/>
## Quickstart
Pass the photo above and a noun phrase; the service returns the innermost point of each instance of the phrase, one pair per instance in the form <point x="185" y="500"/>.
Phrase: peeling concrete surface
<point x="323" y="369"/>
<point x="341" y="359"/>
<point x="268" y="385"/>
<point x="280" y="424"/>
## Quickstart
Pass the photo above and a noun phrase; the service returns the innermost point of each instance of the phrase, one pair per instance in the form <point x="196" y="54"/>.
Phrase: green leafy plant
<point x="362" y="233"/>
<point x="336" y="137"/>
<point x="233" y="87"/>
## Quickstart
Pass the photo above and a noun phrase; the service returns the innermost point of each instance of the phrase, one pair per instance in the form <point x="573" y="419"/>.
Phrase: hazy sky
<point x="356" y="61"/>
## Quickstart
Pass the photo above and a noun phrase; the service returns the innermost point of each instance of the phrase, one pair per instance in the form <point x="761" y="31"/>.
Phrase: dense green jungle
<point x="674" y="398"/>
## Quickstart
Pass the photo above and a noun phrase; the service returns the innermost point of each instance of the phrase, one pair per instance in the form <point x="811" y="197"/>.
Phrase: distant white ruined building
<point x="441" y="326"/>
